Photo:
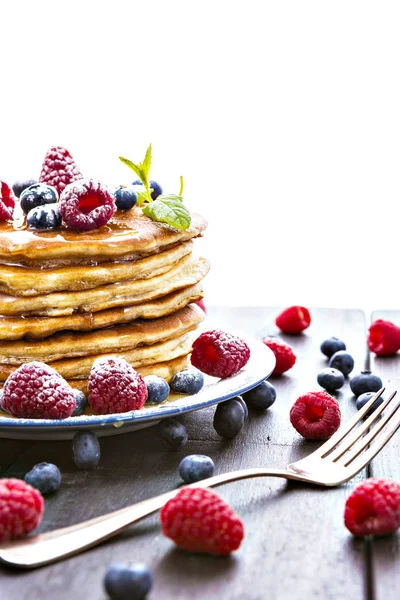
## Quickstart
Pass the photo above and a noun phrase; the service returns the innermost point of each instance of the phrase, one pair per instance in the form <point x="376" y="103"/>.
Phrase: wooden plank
<point x="296" y="545"/>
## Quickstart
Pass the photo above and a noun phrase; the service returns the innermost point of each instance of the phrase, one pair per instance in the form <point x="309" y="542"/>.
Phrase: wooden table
<point x="296" y="545"/>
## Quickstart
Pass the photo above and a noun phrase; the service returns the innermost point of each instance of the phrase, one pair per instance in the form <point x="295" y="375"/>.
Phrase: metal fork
<point x="336" y="461"/>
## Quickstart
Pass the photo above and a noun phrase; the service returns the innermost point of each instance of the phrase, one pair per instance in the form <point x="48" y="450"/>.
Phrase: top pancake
<point x="129" y="235"/>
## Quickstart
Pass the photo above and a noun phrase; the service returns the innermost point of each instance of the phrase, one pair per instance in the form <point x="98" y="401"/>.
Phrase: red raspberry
<point x="115" y="387"/>
<point x="198" y="520"/>
<point x="7" y="202"/>
<point x="219" y="354"/>
<point x="284" y="355"/>
<point x="86" y="205"/>
<point x="21" y="508"/>
<point x="37" y="391"/>
<point x="373" y="508"/>
<point x="294" y="319"/>
<point x="316" y="415"/>
<point x="383" y="337"/>
<point x="59" y="168"/>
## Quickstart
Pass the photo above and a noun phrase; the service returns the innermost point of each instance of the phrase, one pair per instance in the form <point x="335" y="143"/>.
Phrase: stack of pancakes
<point x="125" y="290"/>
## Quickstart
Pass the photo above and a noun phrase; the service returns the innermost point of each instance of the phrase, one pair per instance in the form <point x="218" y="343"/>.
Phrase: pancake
<point x="24" y="281"/>
<point x="129" y="235"/>
<point x="186" y="272"/>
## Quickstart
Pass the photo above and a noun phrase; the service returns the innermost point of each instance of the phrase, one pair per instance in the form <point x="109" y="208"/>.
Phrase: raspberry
<point x="21" y="508"/>
<point x="59" y="168"/>
<point x="115" y="387"/>
<point x="294" y="319"/>
<point x="198" y="520"/>
<point x="373" y="508"/>
<point x="219" y="354"/>
<point x="7" y="202"/>
<point x="86" y="205"/>
<point x="284" y="355"/>
<point x="383" y="337"/>
<point x="37" y="391"/>
<point x="316" y="415"/>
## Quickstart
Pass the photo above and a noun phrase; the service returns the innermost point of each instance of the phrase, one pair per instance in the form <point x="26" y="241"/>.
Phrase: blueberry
<point x="156" y="187"/>
<point x="125" y="197"/>
<point x="37" y="195"/>
<point x="196" y="467"/>
<point x="45" y="477"/>
<point x="81" y="403"/>
<point x="229" y="418"/>
<point x="123" y="582"/>
<point x="365" y="382"/>
<point x="172" y="433"/>
<point x="332" y="345"/>
<point x="157" y="388"/>
<point x="19" y="186"/>
<point x="364" y="398"/>
<point x="86" y="450"/>
<point x="189" y="381"/>
<point x="261" y="397"/>
<point x="47" y="216"/>
<point x="330" y="379"/>
<point x="244" y="405"/>
<point x="343" y="361"/>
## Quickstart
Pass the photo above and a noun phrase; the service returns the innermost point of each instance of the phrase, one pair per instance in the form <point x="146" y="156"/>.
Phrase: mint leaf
<point x="142" y="170"/>
<point x="142" y="195"/>
<point x="169" y="209"/>
<point x="181" y="188"/>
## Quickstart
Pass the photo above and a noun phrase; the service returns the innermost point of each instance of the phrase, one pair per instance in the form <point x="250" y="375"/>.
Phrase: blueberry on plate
<point x="37" y="195"/>
<point x="188" y="381"/>
<point x="86" y="450"/>
<point x="123" y="582"/>
<point x="261" y="397"/>
<point x="332" y="345"/>
<point x="45" y="477"/>
<point x="81" y="403"/>
<point x="173" y="434"/>
<point x="157" y="388"/>
<point x="343" y="361"/>
<point x="43" y="217"/>
<point x="330" y="379"/>
<point x="229" y="418"/>
<point x="125" y="197"/>
<point x="365" y="382"/>
<point x="196" y="467"/>
<point x="19" y="186"/>
<point x="156" y="187"/>
<point x="366" y="397"/>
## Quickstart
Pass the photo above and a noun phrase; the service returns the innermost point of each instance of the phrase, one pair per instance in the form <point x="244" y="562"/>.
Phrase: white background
<point x="283" y="117"/>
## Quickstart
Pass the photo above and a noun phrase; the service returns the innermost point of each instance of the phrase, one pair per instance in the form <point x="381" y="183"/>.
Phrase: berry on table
<point x="330" y="379"/>
<point x="38" y="194"/>
<point x="21" y="508"/>
<point x="316" y="415"/>
<point x="332" y="345"/>
<point x="383" y="338"/>
<point x="81" y="403"/>
<point x="85" y="450"/>
<point x="229" y="418"/>
<point x="172" y="433"/>
<point x="365" y="382"/>
<point x="196" y="467"/>
<point x="7" y="202"/>
<point x="343" y="361"/>
<point x="188" y="381"/>
<point x="19" y="186"/>
<point x="293" y="319"/>
<point x="199" y="520"/>
<point x="262" y="396"/>
<point x="366" y="397"/>
<point x="59" y="168"/>
<point x="284" y="356"/>
<point x="156" y="187"/>
<point x="157" y="388"/>
<point x="44" y="217"/>
<point x="125" y="197"/>
<point x="86" y="205"/>
<point x="45" y="477"/>
<point x="244" y="406"/>
<point x="219" y="354"/>
<point x="123" y="582"/>
<point x="373" y="508"/>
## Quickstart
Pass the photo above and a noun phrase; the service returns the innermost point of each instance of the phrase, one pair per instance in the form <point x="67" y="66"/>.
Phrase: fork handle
<point x="45" y="548"/>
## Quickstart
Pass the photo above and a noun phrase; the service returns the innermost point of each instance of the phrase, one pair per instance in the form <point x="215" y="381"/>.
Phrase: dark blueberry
<point x="47" y="216"/>
<point x="157" y="388"/>
<point x="81" y="403"/>
<point x="86" y="450"/>
<point x="243" y="403"/>
<point x="261" y="397"/>
<point x="332" y="345"/>
<point x="156" y="187"/>
<point x="45" y="477"/>
<point x="229" y="418"/>
<point x="123" y="582"/>
<point x="125" y="197"/>
<point x="37" y="195"/>
<point x="173" y="433"/>
<point x="189" y="381"/>
<point x="364" y="398"/>
<point x="365" y="382"/>
<point x="343" y="361"/>
<point x="330" y="379"/>
<point x="19" y="186"/>
<point x="196" y="467"/>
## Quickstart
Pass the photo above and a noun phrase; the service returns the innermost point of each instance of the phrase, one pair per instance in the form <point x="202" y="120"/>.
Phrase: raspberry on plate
<point x="293" y="319"/>
<point x="115" y="387"/>
<point x="86" y="205"/>
<point x="7" y="202"/>
<point x="284" y="356"/>
<point x="316" y="415"/>
<point x="37" y="391"/>
<point x="383" y="337"/>
<point x="199" y="520"/>
<point x="219" y="354"/>
<point x="21" y="508"/>
<point x="373" y="508"/>
<point x="59" y="168"/>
